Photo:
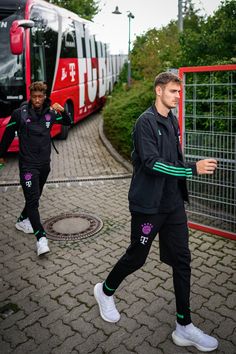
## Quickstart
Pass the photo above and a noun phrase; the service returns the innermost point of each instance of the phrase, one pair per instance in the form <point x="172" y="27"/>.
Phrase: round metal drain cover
<point x="72" y="227"/>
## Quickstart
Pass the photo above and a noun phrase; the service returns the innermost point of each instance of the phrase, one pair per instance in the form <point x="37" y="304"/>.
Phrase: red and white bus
<point x="43" y="42"/>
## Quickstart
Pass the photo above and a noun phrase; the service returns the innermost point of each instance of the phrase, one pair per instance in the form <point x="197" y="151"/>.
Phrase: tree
<point x="204" y="41"/>
<point x="84" y="8"/>
<point x="212" y="40"/>
<point x="155" y="51"/>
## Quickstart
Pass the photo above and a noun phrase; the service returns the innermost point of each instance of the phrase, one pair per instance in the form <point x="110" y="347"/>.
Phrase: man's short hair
<point x="164" y="78"/>
<point x="38" y="86"/>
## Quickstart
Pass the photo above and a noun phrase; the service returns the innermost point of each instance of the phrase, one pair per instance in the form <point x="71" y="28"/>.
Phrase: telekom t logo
<point x="72" y="71"/>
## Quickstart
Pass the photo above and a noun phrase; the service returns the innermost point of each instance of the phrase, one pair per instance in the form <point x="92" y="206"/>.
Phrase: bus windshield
<point x="12" y="80"/>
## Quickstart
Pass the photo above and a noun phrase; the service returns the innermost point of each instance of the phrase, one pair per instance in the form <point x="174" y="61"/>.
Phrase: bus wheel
<point x="65" y="128"/>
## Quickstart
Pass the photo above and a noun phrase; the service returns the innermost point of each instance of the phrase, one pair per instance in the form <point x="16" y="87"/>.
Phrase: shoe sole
<point x="23" y="230"/>
<point x="100" y="308"/>
<point x="187" y="343"/>
<point x="44" y="252"/>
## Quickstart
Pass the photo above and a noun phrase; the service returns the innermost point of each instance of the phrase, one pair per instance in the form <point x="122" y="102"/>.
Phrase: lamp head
<point x="130" y="15"/>
<point x="117" y="12"/>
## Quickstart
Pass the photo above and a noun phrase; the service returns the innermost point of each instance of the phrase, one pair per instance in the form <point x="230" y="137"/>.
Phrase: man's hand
<point x="206" y="167"/>
<point x="57" y="107"/>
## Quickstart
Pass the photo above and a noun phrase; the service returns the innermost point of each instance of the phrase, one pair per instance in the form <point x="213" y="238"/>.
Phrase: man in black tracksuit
<point x="33" y="122"/>
<point x="156" y="202"/>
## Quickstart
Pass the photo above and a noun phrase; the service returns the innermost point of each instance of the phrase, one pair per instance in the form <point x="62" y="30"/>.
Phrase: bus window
<point x="38" y="69"/>
<point x="68" y="48"/>
<point x="44" y="36"/>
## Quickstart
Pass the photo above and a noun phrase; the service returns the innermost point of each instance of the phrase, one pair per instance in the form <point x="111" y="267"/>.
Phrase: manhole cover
<point x="71" y="227"/>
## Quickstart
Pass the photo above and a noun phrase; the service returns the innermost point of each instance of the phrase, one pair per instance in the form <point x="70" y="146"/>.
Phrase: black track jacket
<point x="33" y="130"/>
<point x="153" y="163"/>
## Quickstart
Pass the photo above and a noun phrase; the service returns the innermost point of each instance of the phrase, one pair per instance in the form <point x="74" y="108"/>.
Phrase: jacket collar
<point x="158" y="116"/>
<point x="45" y="108"/>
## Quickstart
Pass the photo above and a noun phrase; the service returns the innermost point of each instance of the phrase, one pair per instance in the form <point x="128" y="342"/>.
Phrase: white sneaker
<point x="106" y="305"/>
<point x="42" y="246"/>
<point x="24" y="226"/>
<point x="190" y="335"/>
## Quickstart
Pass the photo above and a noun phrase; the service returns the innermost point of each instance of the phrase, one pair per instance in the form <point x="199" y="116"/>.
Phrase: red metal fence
<point x="207" y="115"/>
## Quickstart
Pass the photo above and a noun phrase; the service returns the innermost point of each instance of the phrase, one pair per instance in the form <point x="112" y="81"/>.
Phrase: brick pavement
<point x="57" y="312"/>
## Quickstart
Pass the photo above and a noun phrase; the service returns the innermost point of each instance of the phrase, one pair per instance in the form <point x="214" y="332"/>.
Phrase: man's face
<point x="169" y="94"/>
<point x="37" y="99"/>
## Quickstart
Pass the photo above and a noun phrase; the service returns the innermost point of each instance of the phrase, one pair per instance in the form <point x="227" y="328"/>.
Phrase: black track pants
<point x="32" y="182"/>
<point x="174" y="250"/>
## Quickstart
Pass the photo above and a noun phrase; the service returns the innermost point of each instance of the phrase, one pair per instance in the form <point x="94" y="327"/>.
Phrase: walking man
<point x="156" y="202"/>
<point x="33" y="122"/>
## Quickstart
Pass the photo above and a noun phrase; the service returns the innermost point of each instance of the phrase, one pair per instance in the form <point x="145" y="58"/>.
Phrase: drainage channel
<point x="73" y="180"/>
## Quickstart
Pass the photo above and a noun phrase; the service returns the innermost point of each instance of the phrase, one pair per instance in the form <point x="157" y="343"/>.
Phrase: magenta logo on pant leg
<point x="27" y="177"/>
<point x="147" y="228"/>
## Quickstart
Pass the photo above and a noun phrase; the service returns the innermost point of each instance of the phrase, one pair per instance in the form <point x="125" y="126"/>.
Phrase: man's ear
<point x="158" y="90"/>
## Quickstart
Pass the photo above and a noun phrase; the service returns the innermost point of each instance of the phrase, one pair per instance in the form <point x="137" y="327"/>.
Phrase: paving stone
<point x="61" y="330"/>
<point x="27" y="347"/>
<point x="46" y="346"/>
<point x="60" y="290"/>
<point x="53" y="316"/>
<point x="225" y="347"/>
<point x="14" y="336"/>
<point x="68" y="344"/>
<point x="68" y="301"/>
<point x="31" y="318"/>
<point x="83" y="327"/>
<point x="146" y="348"/>
<point x="5" y="347"/>
<point x="38" y="333"/>
<point x="137" y="337"/>
<point x="115" y="340"/>
<point x="107" y="327"/>
<point x="91" y="344"/>
<point x="75" y="313"/>
<point x="122" y="349"/>
<point x="160" y="335"/>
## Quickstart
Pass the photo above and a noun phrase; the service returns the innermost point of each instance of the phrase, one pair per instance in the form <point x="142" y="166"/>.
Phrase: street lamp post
<point x="130" y="15"/>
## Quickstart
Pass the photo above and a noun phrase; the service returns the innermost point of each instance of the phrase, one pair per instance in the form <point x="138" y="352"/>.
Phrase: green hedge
<point x="121" y="111"/>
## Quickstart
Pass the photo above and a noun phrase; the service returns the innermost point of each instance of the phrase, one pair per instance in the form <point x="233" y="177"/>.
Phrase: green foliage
<point x="84" y="8"/>
<point x="212" y="40"/>
<point x="155" y="51"/>
<point x="122" y="110"/>
<point x="204" y="41"/>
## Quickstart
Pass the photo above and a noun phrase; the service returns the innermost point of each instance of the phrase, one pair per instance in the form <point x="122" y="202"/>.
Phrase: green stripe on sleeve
<point x="172" y="170"/>
<point x="8" y="125"/>
<point x="180" y="174"/>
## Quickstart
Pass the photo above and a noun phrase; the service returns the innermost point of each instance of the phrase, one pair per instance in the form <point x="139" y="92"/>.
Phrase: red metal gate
<point x="207" y="114"/>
